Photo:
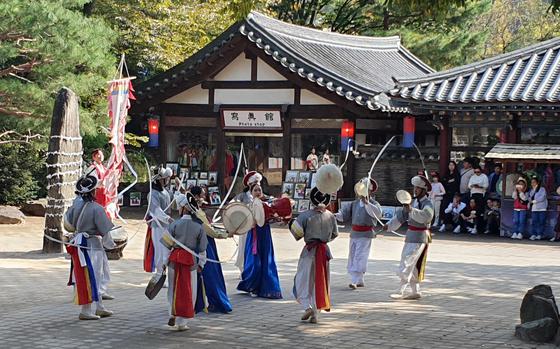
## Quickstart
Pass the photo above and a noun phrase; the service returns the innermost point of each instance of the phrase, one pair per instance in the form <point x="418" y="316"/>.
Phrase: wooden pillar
<point x="512" y="134"/>
<point x="163" y="139"/>
<point x="444" y="146"/>
<point x="287" y="145"/>
<point x="511" y="137"/>
<point x="221" y="154"/>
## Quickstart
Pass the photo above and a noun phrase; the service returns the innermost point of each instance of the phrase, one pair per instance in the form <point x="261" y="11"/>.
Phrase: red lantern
<point x="153" y="126"/>
<point x="347" y="130"/>
<point x="153" y="133"/>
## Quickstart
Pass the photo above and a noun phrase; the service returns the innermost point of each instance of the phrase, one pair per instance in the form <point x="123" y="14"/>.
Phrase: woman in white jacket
<point x="538" y="203"/>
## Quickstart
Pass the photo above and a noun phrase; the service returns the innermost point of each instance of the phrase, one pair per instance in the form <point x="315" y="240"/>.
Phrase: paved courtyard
<point x="472" y="295"/>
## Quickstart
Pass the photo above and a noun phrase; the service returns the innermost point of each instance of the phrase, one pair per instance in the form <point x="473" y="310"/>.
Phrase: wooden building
<point x="508" y="104"/>
<point x="281" y="89"/>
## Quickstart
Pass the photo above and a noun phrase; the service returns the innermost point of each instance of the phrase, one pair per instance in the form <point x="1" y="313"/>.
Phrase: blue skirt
<point x="260" y="275"/>
<point x="211" y="282"/>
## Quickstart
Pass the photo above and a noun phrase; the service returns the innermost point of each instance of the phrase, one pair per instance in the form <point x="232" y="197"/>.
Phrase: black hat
<point x="196" y="190"/>
<point x="318" y="198"/>
<point x="86" y="184"/>
<point x="188" y="200"/>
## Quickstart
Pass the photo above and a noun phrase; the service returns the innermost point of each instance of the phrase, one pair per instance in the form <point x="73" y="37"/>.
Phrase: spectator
<point x="492" y="217"/>
<point x="469" y="218"/>
<point x="450" y="184"/>
<point x="466" y="175"/>
<point x="493" y="180"/>
<point x="538" y="204"/>
<point x="436" y="195"/>
<point x="556" y="236"/>
<point x="477" y="185"/>
<point x="452" y="214"/>
<point x="520" y="205"/>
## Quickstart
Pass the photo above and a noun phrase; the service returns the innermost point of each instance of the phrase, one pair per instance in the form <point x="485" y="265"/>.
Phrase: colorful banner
<point x="120" y="94"/>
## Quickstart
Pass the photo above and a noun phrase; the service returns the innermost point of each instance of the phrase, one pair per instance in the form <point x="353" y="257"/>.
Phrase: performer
<point x="155" y="253"/>
<point x="183" y="266"/>
<point x="418" y="215"/>
<point x="260" y="275"/>
<point x="88" y="221"/>
<point x="312" y="160"/>
<point x="100" y="171"/>
<point x="245" y="197"/>
<point x="361" y="213"/>
<point x="211" y="293"/>
<point x="311" y="283"/>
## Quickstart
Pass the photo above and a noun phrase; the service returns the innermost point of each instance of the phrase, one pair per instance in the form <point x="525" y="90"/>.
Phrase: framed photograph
<point x="288" y="189"/>
<point x="307" y="193"/>
<point x="291" y="176"/>
<point x="303" y="205"/>
<point x="184" y="173"/>
<point x="121" y="201"/>
<point x="342" y="203"/>
<point x="313" y="180"/>
<point x="294" y="205"/>
<point x="203" y="175"/>
<point x="190" y="183"/>
<point x="214" y="194"/>
<point x="194" y="175"/>
<point x="202" y="182"/>
<point x="299" y="190"/>
<point x="174" y="166"/>
<point x="305" y="177"/>
<point x="387" y="212"/>
<point x="135" y="198"/>
<point x="213" y="178"/>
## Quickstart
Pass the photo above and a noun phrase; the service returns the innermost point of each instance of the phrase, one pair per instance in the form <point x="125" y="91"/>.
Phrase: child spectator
<point x="436" y="196"/>
<point x="520" y="205"/>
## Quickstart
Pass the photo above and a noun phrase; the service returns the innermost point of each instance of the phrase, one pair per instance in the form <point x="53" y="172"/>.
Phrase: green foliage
<point x="158" y="34"/>
<point x="22" y="165"/>
<point x="45" y="45"/>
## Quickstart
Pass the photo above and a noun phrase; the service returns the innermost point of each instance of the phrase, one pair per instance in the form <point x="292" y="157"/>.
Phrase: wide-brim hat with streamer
<point x="421" y="182"/>
<point x="163" y="173"/>
<point x="361" y="185"/>
<point x="86" y="184"/>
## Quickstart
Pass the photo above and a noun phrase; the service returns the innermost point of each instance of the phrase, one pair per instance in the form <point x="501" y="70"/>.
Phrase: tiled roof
<point x="542" y="152"/>
<point x="356" y="68"/>
<point x="531" y="74"/>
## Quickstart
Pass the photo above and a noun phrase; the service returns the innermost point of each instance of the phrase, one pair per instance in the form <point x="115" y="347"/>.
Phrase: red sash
<point x="86" y="286"/>
<point x="322" y="287"/>
<point x="413" y="228"/>
<point x="361" y="227"/>
<point x="149" y="266"/>
<point x="182" y="303"/>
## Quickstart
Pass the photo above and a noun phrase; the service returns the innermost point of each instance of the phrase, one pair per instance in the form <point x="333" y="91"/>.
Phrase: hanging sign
<point x="253" y="120"/>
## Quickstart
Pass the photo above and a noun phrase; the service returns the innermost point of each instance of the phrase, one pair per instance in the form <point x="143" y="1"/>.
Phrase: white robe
<point x="304" y="281"/>
<point x="407" y="271"/>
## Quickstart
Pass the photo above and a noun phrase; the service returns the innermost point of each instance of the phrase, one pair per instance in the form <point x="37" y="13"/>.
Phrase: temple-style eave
<point x="416" y="107"/>
<point x="529" y="75"/>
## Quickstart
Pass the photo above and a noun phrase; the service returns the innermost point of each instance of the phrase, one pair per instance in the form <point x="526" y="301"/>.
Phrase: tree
<point x="45" y="45"/>
<point x="513" y="24"/>
<point x="158" y="34"/>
